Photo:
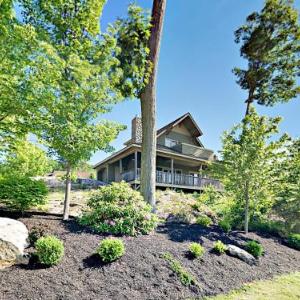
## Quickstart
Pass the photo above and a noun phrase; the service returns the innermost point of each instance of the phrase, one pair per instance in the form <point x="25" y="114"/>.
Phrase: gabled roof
<point x="193" y="127"/>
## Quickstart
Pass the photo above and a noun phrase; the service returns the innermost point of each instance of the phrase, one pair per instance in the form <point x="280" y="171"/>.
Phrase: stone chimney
<point x="136" y="130"/>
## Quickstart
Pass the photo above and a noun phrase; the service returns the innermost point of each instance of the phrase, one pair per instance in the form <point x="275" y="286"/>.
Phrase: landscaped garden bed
<point x="142" y="272"/>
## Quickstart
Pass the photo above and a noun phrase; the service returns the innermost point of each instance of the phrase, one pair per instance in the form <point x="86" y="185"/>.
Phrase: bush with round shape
<point x="219" y="247"/>
<point x="294" y="240"/>
<point x="204" y="221"/>
<point x="196" y="250"/>
<point x="110" y="249"/>
<point x="255" y="248"/>
<point x="21" y="193"/>
<point x="225" y="225"/>
<point x="118" y="209"/>
<point x="49" y="250"/>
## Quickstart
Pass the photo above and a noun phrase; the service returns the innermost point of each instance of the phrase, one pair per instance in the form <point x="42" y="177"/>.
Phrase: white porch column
<point x="121" y="168"/>
<point x="172" y="171"/>
<point x="107" y="173"/>
<point x="135" y="164"/>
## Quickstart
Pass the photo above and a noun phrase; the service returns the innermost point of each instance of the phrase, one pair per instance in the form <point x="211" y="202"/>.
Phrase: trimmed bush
<point x="294" y="240"/>
<point x="21" y="193"/>
<point x="50" y="250"/>
<point x="219" y="247"/>
<point x="204" y="221"/>
<point x="111" y="249"/>
<point x="196" y="250"/>
<point x="254" y="248"/>
<point x="225" y="225"/>
<point x="118" y="209"/>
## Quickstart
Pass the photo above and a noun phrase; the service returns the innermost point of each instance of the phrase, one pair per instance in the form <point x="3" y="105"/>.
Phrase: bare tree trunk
<point x="247" y="207"/>
<point x="148" y="107"/>
<point x="67" y="193"/>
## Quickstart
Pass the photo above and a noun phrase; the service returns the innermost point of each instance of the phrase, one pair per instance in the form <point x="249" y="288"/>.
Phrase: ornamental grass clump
<point x="255" y="248"/>
<point x="219" y="247"/>
<point x="49" y="250"/>
<point x="225" y="225"/>
<point x="196" y="250"/>
<point x="204" y="221"/>
<point x="118" y="209"/>
<point x="111" y="249"/>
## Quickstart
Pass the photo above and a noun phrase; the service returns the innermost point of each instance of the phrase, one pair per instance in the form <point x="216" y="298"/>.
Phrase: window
<point x="170" y="143"/>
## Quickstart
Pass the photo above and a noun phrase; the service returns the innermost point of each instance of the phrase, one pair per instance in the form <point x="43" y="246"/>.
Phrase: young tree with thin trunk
<point x="271" y="45"/>
<point x="81" y="79"/>
<point x="148" y="106"/>
<point x="247" y="169"/>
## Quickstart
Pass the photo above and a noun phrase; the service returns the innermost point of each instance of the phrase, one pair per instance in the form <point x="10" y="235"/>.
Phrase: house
<point x="181" y="157"/>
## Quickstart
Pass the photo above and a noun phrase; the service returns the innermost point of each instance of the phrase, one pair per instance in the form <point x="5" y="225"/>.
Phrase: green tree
<point x="83" y="80"/>
<point x="271" y="45"/>
<point x="247" y="166"/>
<point x="26" y="159"/>
<point x="140" y="41"/>
<point x="287" y="204"/>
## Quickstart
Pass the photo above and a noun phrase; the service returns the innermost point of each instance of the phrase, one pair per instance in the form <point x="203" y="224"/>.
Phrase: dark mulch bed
<point x="141" y="273"/>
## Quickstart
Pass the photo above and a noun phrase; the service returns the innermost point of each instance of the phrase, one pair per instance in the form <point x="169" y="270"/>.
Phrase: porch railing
<point x="178" y="179"/>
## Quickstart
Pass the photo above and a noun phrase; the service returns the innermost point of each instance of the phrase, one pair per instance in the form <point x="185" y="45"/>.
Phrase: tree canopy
<point x="271" y="44"/>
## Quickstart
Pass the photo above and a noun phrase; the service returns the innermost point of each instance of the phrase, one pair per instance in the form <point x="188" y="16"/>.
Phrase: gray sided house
<point x="180" y="157"/>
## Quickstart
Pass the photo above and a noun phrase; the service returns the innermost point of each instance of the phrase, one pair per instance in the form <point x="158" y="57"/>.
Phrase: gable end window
<point x="170" y="143"/>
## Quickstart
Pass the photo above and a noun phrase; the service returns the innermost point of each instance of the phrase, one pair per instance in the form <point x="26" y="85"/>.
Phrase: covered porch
<point x="171" y="172"/>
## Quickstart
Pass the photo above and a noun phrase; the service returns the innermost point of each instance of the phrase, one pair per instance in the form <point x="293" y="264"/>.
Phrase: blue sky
<point x="197" y="55"/>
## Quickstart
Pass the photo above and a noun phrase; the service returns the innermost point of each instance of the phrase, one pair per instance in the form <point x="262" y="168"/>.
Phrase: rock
<point x="13" y="241"/>
<point x="241" y="254"/>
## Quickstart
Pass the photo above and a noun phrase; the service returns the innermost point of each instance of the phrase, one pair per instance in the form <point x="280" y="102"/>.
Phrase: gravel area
<point x="141" y="273"/>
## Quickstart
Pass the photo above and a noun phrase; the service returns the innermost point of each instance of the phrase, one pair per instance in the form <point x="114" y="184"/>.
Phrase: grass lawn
<point x="286" y="287"/>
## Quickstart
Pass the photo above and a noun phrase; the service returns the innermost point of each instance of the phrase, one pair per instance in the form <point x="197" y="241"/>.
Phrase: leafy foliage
<point x="225" y="225"/>
<point x="50" y="250"/>
<point x="271" y="45"/>
<point x="22" y="193"/>
<point x="185" y="278"/>
<point x="294" y="241"/>
<point x="287" y="203"/>
<point x="219" y="247"/>
<point x="204" y="221"/>
<point x="26" y="159"/>
<point x="254" y="248"/>
<point x="248" y="166"/>
<point x="119" y="209"/>
<point x="196" y="250"/>
<point x="111" y="249"/>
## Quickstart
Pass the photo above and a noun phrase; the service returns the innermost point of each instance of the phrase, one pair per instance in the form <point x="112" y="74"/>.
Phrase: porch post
<point x="120" y="167"/>
<point x="135" y="164"/>
<point x="107" y="173"/>
<point x="172" y="171"/>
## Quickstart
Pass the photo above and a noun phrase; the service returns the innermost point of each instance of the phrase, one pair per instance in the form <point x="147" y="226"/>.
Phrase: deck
<point x="183" y="181"/>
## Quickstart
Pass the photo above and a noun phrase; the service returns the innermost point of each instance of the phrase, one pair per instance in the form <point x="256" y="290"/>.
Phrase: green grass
<point x="286" y="287"/>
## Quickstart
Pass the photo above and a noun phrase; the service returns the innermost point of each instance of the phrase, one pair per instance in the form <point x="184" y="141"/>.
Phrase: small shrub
<point x="225" y="225"/>
<point x="204" y="221"/>
<point x="294" y="240"/>
<point x="21" y="193"/>
<point x="50" y="250"/>
<point x="118" y="209"/>
<point x="111" y="249"/>
<point x="196" y="250"/>
<point x="255" y="248"/>
<point x="219" y="247"/>
<point x="185" y="278"/>
<point x="276" y="228"/>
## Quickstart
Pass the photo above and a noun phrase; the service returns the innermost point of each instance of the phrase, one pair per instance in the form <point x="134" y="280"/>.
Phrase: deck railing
<point x="178" y="179"/>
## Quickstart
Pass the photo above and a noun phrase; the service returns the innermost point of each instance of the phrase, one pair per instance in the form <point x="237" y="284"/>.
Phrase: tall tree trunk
<point x="67" y="193"/>
<point x="148" y="107"/>
<point x="246" y="207"/>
